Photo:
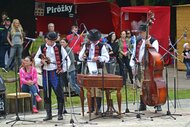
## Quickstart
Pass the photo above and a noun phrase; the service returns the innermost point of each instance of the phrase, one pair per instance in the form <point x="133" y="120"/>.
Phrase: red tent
<point x="93" y="13"/>
<point x="160" y="29"/>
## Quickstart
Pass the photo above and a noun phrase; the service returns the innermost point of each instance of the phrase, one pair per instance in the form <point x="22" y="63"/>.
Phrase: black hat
<point x="7" y="19"/>
<point x="142" y="27"/>
<point x="94" y="35"/>
<point x="52" y="36"/>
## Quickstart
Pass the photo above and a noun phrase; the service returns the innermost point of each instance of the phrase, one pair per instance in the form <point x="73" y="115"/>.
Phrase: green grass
<point x="180" y="94"/>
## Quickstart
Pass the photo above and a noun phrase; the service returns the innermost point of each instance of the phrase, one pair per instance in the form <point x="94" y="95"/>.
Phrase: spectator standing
<point x="186" y="58"/>
<point x="15" y="38"/>
<point x="4" y="44"/>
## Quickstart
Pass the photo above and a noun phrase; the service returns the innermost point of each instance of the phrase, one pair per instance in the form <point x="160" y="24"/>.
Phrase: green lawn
<point x="181" y="94"/>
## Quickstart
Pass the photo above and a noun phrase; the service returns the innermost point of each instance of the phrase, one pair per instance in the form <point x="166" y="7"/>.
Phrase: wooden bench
<point x="24" y="99"/>
<point x="24" y="102"/>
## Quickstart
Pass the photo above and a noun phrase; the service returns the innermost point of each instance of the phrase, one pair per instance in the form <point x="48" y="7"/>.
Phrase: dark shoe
<point x="60" y="111"/>
<point x="60" y="117"/>
<point x="48" y="117"/>
<point x="142" y="107"/>
<point x="131" y="81"/>
<point x="48" y="111"/>
<point x="158" y="108"/>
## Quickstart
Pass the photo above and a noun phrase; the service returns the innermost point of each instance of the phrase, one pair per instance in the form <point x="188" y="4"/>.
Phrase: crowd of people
<point x="57" y="60"/>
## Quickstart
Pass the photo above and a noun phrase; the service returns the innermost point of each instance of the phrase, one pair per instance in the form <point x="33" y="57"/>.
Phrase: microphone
<point x="30" y="39"/>
<point x="75" y="33"/>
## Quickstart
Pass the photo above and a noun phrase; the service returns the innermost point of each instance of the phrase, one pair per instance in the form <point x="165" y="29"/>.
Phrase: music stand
<point x="16" y="90"/>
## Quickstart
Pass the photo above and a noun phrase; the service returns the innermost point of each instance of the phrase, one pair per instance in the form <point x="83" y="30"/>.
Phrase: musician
<point x="137" y="56"/>
<point x="51" y="56"/>
<point x="94" y="53"/>
<point x="76" y="44"/>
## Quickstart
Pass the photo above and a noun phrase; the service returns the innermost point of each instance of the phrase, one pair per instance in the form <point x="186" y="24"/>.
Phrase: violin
<point x="154" y="91"/>
<point x="43" y="57"/>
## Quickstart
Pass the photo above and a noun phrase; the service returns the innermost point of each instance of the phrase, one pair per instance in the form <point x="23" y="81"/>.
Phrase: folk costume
<point x="94" y="53"/>
<point x="137" y="59"/>
<point x="55" y="64"/>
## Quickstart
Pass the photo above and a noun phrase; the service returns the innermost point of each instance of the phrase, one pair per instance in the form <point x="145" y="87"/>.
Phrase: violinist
<point x="137" y="56"/>
<point x="51" y="56"/>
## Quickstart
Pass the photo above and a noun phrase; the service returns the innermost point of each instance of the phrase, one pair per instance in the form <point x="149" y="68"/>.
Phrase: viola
<point x="153" y="87"/>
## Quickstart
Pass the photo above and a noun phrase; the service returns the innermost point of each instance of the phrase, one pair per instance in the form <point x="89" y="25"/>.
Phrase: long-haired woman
<point x="15" y="38"/>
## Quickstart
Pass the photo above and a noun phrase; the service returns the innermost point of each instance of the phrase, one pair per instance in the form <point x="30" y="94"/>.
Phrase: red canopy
<point x="160" y="29"/>
<point x="72" y="1"/>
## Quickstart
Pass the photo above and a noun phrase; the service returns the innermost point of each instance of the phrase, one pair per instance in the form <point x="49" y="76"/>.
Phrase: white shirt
<point x="51" y="54"/>
<point x="141" y="51"/>
<point x="104" y="53"/>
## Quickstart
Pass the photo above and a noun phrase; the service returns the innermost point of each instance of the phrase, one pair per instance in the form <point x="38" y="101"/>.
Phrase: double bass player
<point x="137" y="57"/>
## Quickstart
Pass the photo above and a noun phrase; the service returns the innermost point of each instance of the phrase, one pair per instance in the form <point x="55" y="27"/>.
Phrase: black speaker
<point x="2" y="104"/>
<point x="2" y="85"/>
<point x="2" y="98"/>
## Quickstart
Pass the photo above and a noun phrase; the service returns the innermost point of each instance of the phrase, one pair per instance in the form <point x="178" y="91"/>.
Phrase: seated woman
<point x="28" y="81"/>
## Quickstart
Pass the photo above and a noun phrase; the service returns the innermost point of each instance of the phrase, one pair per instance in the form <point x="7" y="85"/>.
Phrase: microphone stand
<point x="16" y="90"/>
<point x="168" y="113"/>
<point x="175" y="76"/>
<point x="71" y="104"/>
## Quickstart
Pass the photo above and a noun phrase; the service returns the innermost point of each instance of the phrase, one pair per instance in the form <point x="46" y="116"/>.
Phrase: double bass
<point x="154" y="91"/>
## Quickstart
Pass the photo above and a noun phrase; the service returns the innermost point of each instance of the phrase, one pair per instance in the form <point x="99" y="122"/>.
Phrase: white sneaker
<point x="4" y="70"/>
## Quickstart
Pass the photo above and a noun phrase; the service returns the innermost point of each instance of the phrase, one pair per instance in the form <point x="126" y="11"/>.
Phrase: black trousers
<point x="124" y="67"/>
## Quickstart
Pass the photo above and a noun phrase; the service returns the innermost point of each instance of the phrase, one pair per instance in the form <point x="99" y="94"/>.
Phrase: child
<point x="186" y="59"/>
<point x="28" y="81"/>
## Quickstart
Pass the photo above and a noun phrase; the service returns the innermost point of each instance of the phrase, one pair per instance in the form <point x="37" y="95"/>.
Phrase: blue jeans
<point x="16" y="50"/>
<point x="187" y="64"/>
<point x="3" y="50"/>
<point x="31" y="89"/>
<point x="72" y="80"/>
